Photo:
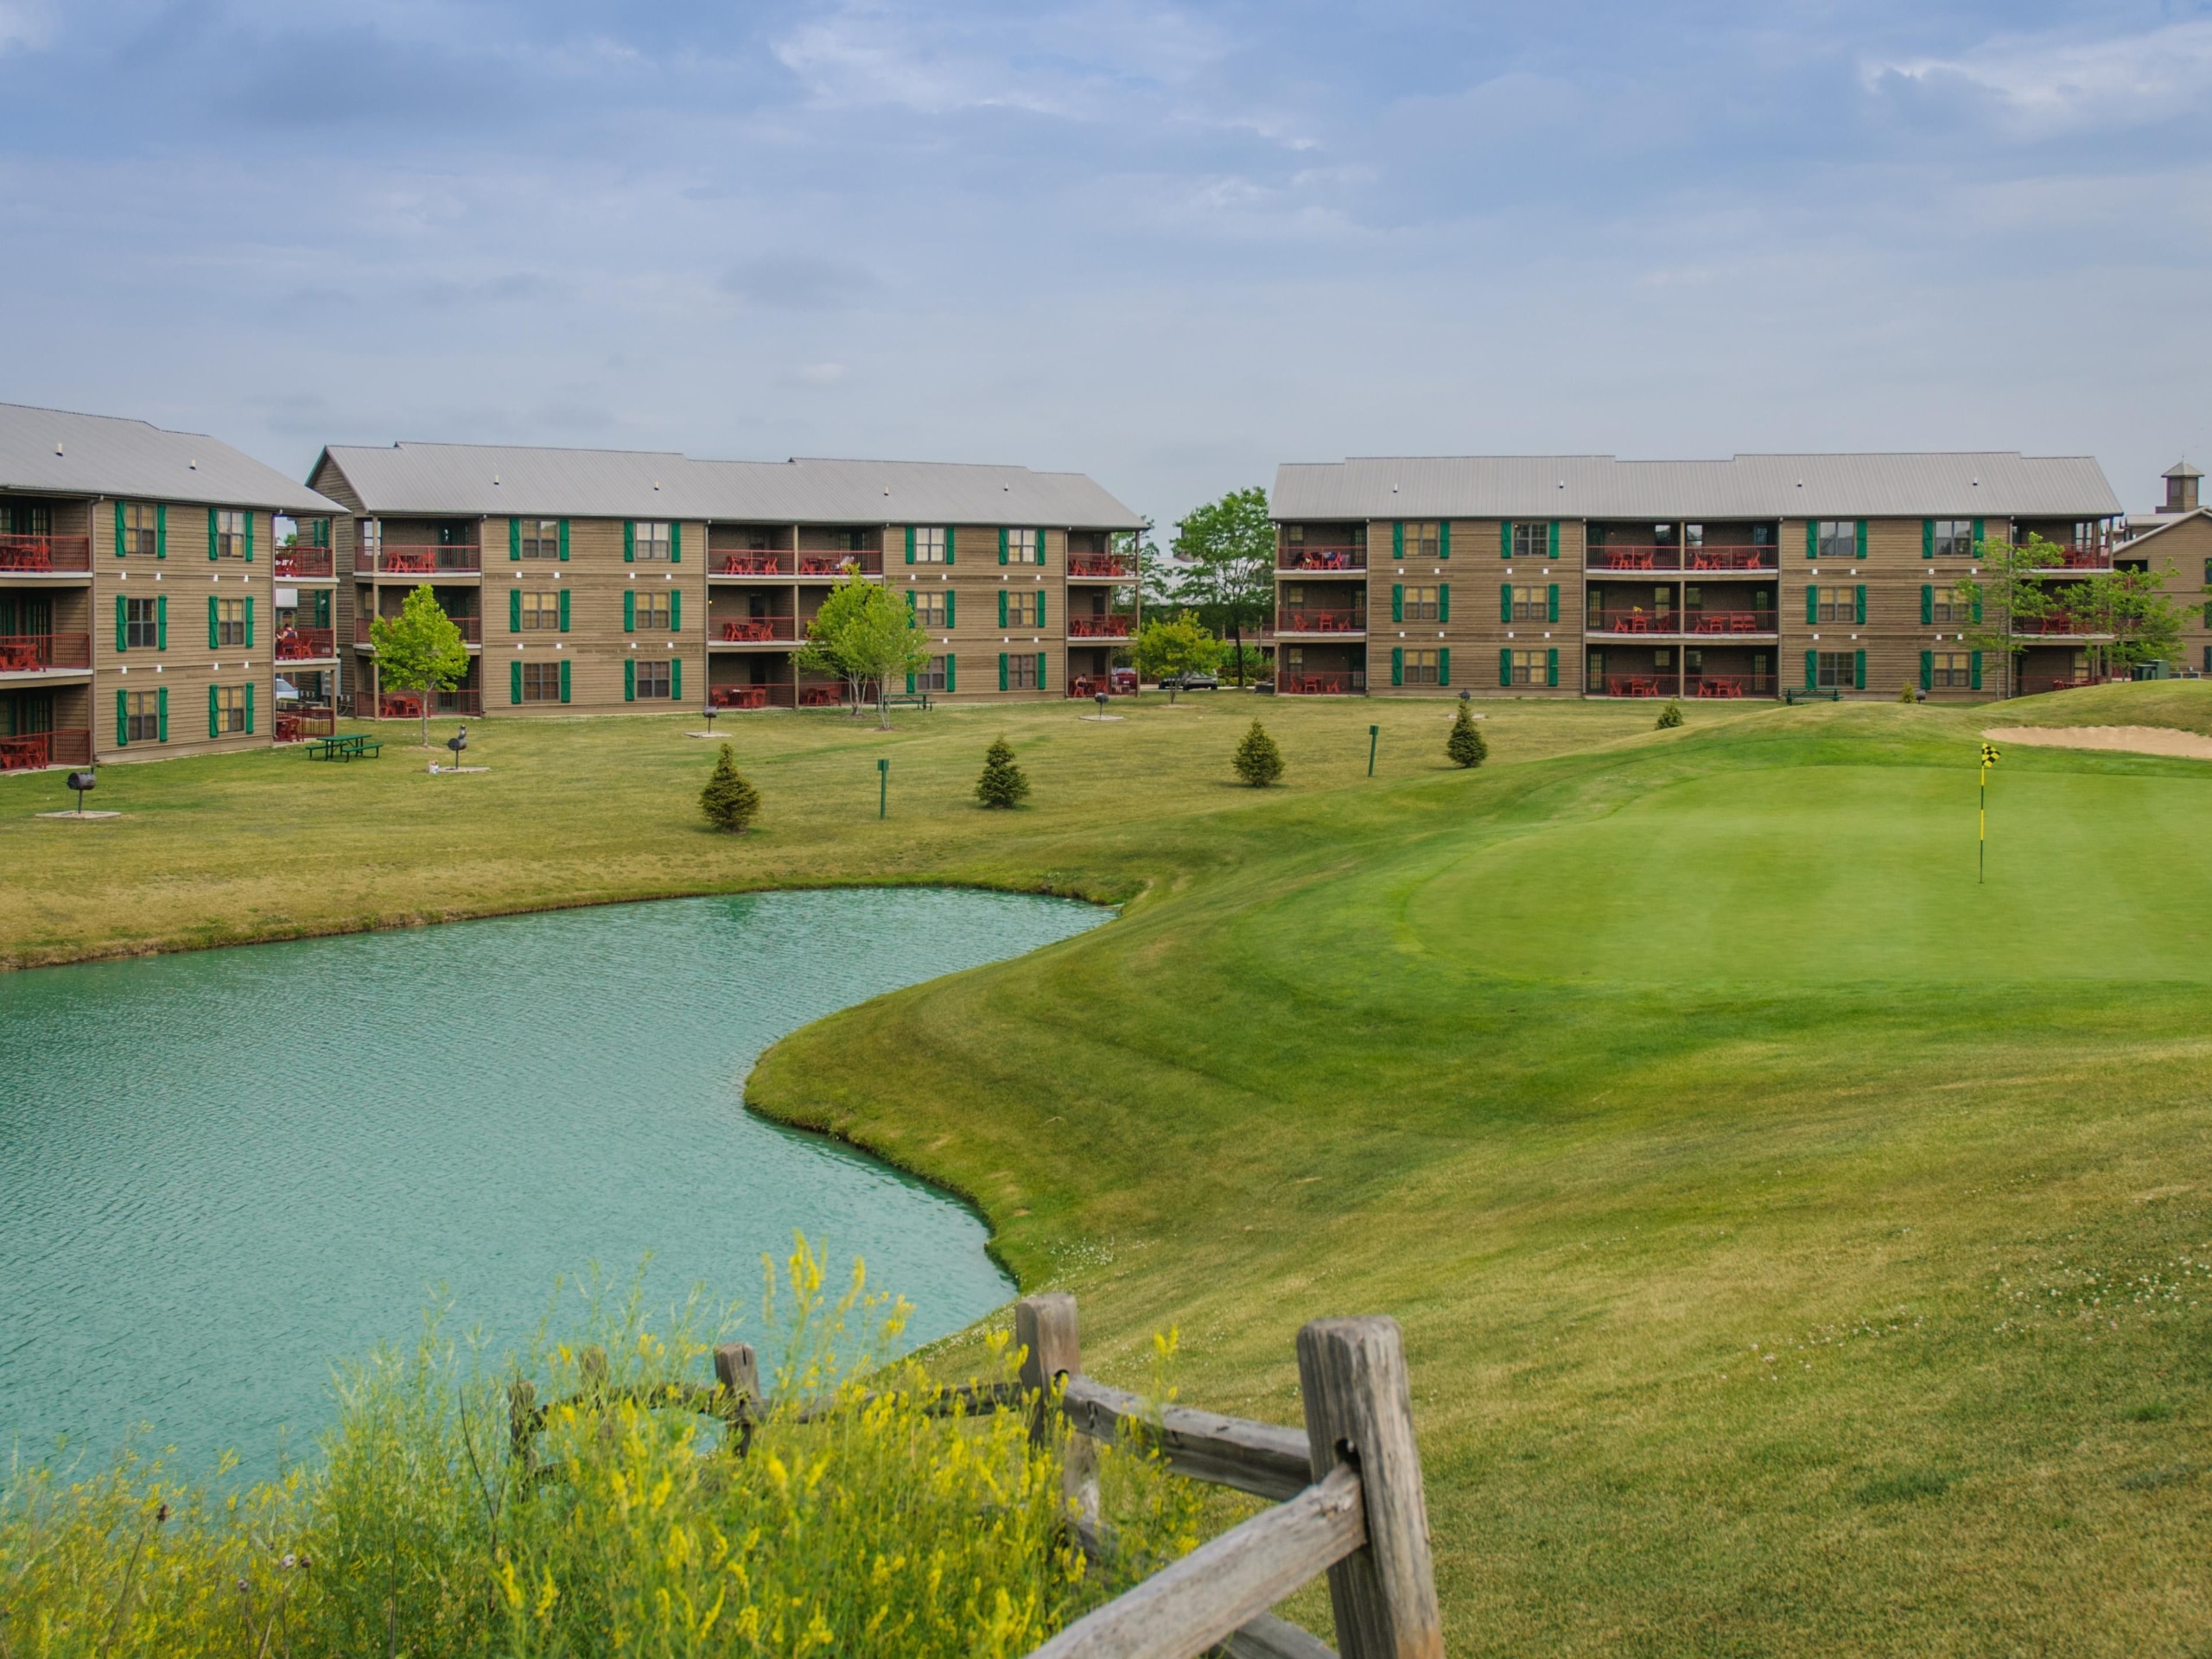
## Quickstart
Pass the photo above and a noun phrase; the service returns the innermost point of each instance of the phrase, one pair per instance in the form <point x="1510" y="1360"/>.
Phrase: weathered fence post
<point x="737" y="1370"/>
<point x="1359" y="1410"/>
<point x="1052" y="1345"/>
<point x="522" y="1420"/>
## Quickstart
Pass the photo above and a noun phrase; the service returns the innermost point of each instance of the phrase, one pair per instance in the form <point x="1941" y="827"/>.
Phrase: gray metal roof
<point x="58" y="453"/>
<point x="438" y="478"/>
<point x="1996" y="484"/>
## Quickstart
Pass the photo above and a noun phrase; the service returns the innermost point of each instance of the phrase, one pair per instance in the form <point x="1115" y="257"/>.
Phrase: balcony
<point x="1107" y="626"/>
<point x="759" y="562"/>
<point x="1322" y="622"/>
<point x="1633" y="622"/>
<point x="1730" y="685"/>
<point x="391" y="560"/>
<point x="1707" y="622"/>
<point x="2064" y="628"/>
<point x="408" y="705"/>
<point x="830" y="566"/>
<point x="755" y="630"/>
<point x="45" y="555"/>
<point x="1305" y="556"/>
<point x="296" y="562"/>
<point x="2081" y="558"/>
<point x="1319" y="683"/>
<point x="1102" y="567"/>
<point x="297" y="725"/>
<point x="306" y="645"/>
<point x="38" y="750"/>
<point x="1619" y="556"/>
<point x="38" y="653"/>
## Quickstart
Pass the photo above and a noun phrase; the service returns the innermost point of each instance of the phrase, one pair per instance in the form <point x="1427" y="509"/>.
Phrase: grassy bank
<point x="1800" y="1247"/>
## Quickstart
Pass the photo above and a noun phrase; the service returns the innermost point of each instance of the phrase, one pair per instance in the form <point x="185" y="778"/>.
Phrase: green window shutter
<point x="1926" y="604"/>
<point x="1858" y="605"/>
<point x="215" y="712"/>
<point x="1444" y="602"/>
<point x="1553" y="548"/>
<point x="1978" y="524"/>
<point x="1505" y="602"/>
<point x="1928" y="670"/>
<point x="564" y="679"/>
<point x="909" y="683"/>
<point x="1505" y="668"/>
<point x="1444" y="666"/>
<point x="676" y="610"/>
<point x="629" y="541"/>
<point x="161" y="530"/>
<point x="212" y="533"/>
<point x="910" y="544"/>
<point x="1040" y="608"/>
<point x="910" y="602"/>
<point x="1398" y="540"/>
<point x="249" y="538"/>
<point x="514" y="610"/>
<point x="564" y="610"/>
<point x="675" y="548"/>
<point x="1812" y="603"/>
<point x="949" y="665"/>
<point x="949" y="605"/>
<point x="1505" y="539"/>
<point x="1040" y="671"/>
<point x="162" y="715"/>
<point x="1397" y="664"/>
<point x="629" y="679"/>
<point x="514" y="538"/>
<point x="1002" y="671"/>
<point x="675" y="679"/>
<point x="1551" y="666"/>
<point x="1860" y="543"/>
<point x="951" y="534"/>
<point x="629" y="610"/>
<point x="564" y="544"/>
<point x="213" y="623"/>
<point x="1973" y="670"/>
<point x="160" y="622"/>
<point x="1397" y="601"/>
<point x="1977" y="602"/>
<point x="1812" y="538"/>
<point x="249" y="708"/>
<point x="1858" y="670"/>
<point x="1444" y="539"/>
<point x="1551" y="604"/>
<point x="1002" y="557"/>
<point x="122" y="622"/>
<point x="1927" y="538"/>
<point x="1002" y="608"/>
<point x="1812" y="669"/>
<point x="122" y="720"/>
<point x="514" y="681"/>
<point x="120" y="531"/>
<point x="248" y="621"/>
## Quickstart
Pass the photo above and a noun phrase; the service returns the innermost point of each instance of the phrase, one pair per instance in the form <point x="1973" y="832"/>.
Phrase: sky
<point x="1167" y="245"/>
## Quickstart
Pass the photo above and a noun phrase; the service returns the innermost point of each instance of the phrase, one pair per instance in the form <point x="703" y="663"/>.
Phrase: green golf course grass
<point x="1800" y="1247"/>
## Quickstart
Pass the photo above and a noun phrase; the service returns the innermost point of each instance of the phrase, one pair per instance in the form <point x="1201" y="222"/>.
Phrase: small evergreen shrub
<point x="1003" y="783"/>
<point x="1910" y="694"/>
<point x="728" y="801"/>
<point x="1669" y="717"/>
<point x="1465" y="745"/>
<point x="1257" y="760"/>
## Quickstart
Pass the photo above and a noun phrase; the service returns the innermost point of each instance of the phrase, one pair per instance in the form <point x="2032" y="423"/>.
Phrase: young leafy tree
<point x="2006" y="596"/>
<point x="866" y="635"/>
<point x="1003" y="783"/>
<point x="2135" y="608"/>
<point x="1225" y="565"/>
<point x="1257" y="760"/>
<point x="1176" y="645"/>
<point x="1465" y="745"/>
<point x="729" y="801"/>
<point x="419" y="650"/>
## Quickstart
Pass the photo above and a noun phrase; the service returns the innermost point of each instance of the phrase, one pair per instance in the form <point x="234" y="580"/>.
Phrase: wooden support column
<point x="1051" y="1352"/>
<point x="737" y="1370"/>
<point x="1359" y="1411"/>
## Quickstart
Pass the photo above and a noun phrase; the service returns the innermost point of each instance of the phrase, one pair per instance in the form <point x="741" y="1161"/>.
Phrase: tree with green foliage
<point x="729" y="801"/>
<point x="1222" y="566"/>
<point x="1257" y="760"/>
<point x="1465" y="745"/>
<point x="1003" y="783"/>
<point x="1176" y="645"/>
<point x="1669" y="717"/>
<point x="2006" y="596"/>
<point x="2134" y="608"/>
<point x="420" y="649"/>
<point x="867" y="636"/>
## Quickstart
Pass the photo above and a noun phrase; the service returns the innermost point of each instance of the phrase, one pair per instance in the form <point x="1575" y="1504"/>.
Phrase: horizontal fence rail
<point x="397" y="559"/>
<point x="1110" y="625"/>
<point x="1310" y="557"/>
<point x="867" y="560"/>
<point x="1114" y="566"/>
<point x="1322" y="622"/>
<point x="755" y="630"/>
<point x="306" y="645"/>
<point x="32" y="751"/>
<point x="28" y="654"/>
<point x="1631" y="555"/>
<point x="303" y="562"/>
<point x="43" y="553"/>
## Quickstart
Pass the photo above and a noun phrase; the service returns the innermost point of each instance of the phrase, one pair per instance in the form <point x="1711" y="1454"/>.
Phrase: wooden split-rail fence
<point x="1346" y="1490"/>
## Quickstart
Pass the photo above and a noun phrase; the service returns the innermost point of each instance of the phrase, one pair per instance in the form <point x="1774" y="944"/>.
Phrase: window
<point x="929" y="544"/>
<point x="30" y="518"/>
<point x="930" y="677"/>
<point x="1954" y="537"/>
<point x="1420" y="667"/>
<point x="541" y="683"/>
<point x="226" y="708"/>
<point x="1421" y="541"/>
<point x="230" y="534"/>
<point x="652" y="679"/>
<point x="1833" y="670"/>
<point x="141" y="527"/>
<point x="1952" y="668"/>
<point x="930" y="610"/>
<point x="1532" y="542"/>
<point x="541" y="612"/>
<point x="849" y="541"/>
<point x="1025" y="610"/>
<point x="229" y="622"/>
<point x="1021" y="671"/>
<point x="369" y="535"/>
<point x="142" y="717"/>
<point x="1420" y="605"/>
<point x="141" y="629"/>
<point x="1024" y="547"/>
<point x="653" y="608"/>
<point x="1835" y="605"/>
<point x="541" y="539"/>
<point x="1836" y="539"/>
<point x="1943" y="607"/>
<point x="1530" y="605"/>
<point x="1526" y="667"/>
<point x="650" y="543"/>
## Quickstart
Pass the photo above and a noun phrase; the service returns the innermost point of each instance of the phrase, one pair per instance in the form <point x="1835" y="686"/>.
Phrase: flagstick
<point x="1981" y="845"/>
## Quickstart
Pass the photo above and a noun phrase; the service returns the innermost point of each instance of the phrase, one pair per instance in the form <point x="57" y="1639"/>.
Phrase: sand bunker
<point x="2131" y="739"/>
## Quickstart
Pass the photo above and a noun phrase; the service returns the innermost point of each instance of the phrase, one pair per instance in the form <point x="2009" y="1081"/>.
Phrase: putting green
<point x="1831" y="875"/>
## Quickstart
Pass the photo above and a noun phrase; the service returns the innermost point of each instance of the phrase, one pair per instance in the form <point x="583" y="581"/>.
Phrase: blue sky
<point x="1166" y="244"/>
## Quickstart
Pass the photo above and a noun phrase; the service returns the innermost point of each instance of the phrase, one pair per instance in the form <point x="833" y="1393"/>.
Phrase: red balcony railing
<point x="1640" y="685"/>
<point x="1115" y="682"/>
<point x="1730" y="685"/>
<point x="46" y="553"/>
<point x="2081" y="558"/>
<point x="1729" y="622"/>
<point x="1121" y="565"/>
<point x="391" y="560"/>
<point x="1309" y="557"/>
<point x="408" y="705"/>
<point x="866" y="561"/>
<point x="27" y="654"/>
<point x="1315" y="683"/>
<point x="306" y="645"/>
<point x="1634" y="622"/>
<point x="756" y="630"/>
<point x="297" y="725"/>
<point x="2069" y="627"/>
<point x="1321" y="622"/>
<point x="304" y="561"/>
<point x="754" y="562"/>
<point x="35" y="750"/>
<point x="1626" y="556"/>
<point x="1110" y="625"/>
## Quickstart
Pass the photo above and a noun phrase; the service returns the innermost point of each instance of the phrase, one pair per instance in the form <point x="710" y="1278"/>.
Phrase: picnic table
<point x="819" y="696"/>
<point x="740" y="696"/>
<point x="23" y="754"/>
<point x="753" y="629"/>
<point x="18" y="656"/>
<point x="354" y="747"/>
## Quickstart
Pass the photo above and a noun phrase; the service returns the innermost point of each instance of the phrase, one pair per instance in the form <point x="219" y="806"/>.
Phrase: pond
<point x="221" y="1171"/>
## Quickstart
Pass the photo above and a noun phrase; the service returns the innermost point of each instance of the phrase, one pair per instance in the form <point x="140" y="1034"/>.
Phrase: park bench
<point x="1796" y="694"/>
<point x="908" y="700"/>
<point x="351" y="748"/>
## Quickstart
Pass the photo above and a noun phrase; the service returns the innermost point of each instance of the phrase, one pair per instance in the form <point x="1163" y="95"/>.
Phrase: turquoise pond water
<point x="221" y="1171"/>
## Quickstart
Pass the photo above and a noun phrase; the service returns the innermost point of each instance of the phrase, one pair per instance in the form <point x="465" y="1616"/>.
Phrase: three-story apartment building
<point x="1585" y="575"/>
<point x="609" y="579"/>
<point x="152" y="587"/>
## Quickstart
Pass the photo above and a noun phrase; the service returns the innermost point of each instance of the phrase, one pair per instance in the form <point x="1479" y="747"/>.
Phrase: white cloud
<point x="24" y="24"/>
<point x="2044" y="85"/>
